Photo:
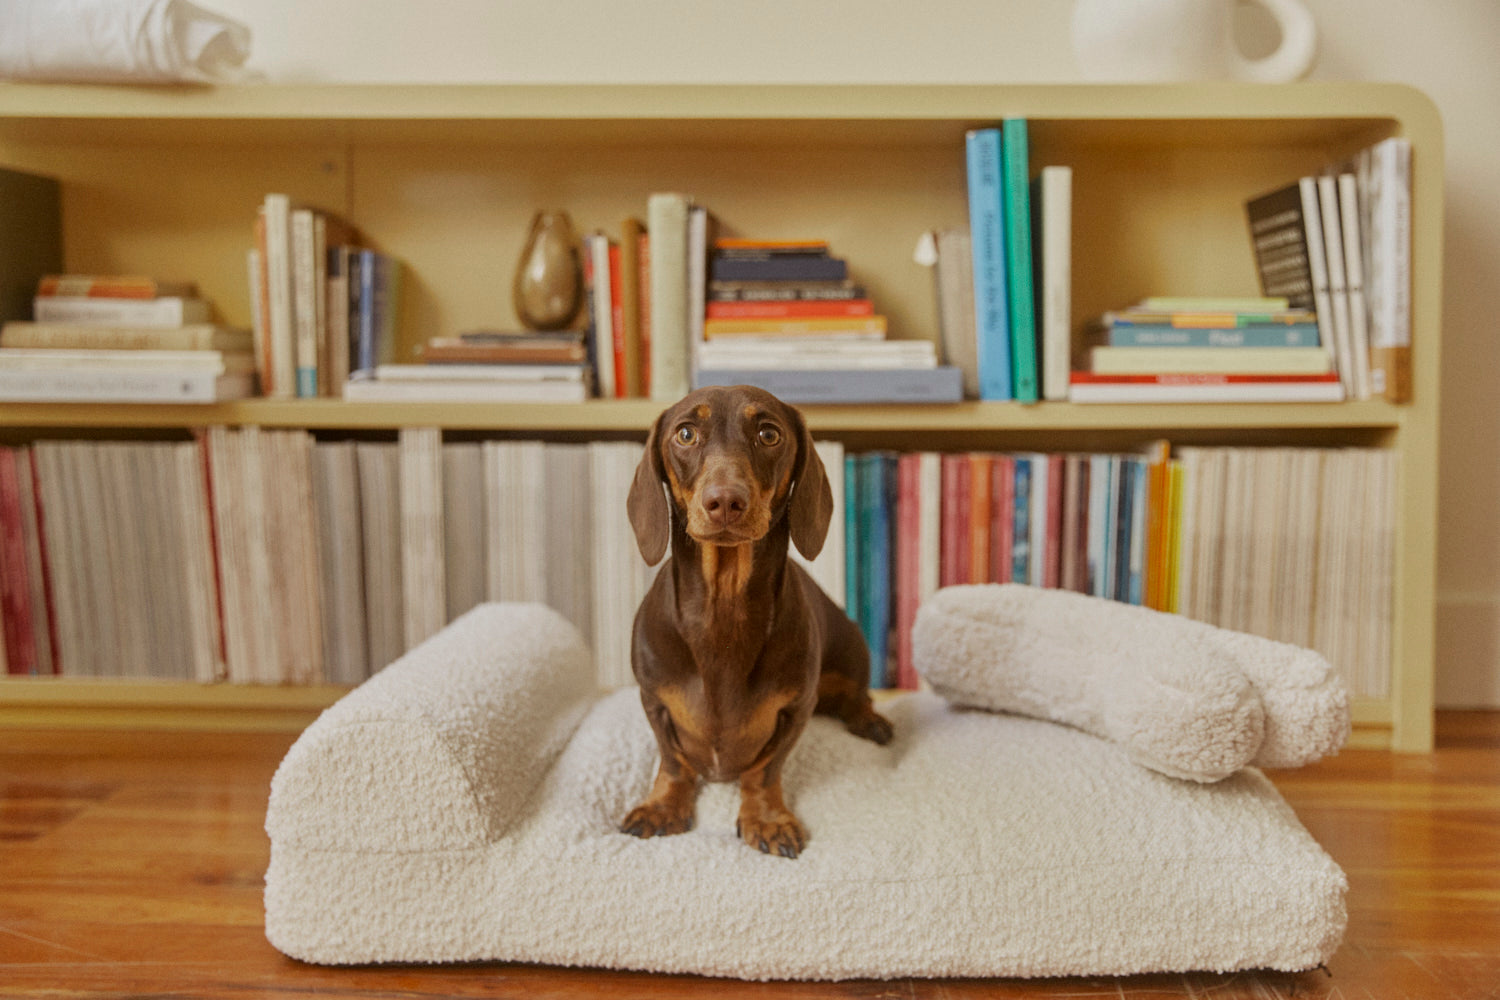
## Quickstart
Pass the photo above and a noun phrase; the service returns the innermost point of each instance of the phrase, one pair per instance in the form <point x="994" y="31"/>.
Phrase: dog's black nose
<point x="725" y="504"/>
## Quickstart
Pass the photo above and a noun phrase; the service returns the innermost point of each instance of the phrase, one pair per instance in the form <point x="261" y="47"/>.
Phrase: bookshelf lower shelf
<point x="142" y="705"/>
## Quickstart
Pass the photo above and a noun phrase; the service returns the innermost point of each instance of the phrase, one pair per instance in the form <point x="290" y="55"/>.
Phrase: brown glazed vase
<point x="548" y="287"/>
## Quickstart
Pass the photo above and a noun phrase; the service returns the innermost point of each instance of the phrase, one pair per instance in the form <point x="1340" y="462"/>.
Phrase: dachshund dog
<point x="735" y="647"/>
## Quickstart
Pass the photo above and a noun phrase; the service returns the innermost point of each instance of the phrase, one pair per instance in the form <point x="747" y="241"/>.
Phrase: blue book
<point x="987" y="230"/>
<point x="1016" y="186"/>
<point x="374" y="283"/>
<point x="864" y="386"/>
<point x="1124" y="334"/>
<point x="1140" y="477"/>
<point x="1020" y="546"/>
<point x="1124" y="522"/>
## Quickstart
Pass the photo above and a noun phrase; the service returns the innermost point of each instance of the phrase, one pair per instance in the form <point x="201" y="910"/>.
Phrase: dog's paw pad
<point x="780" y="834"/>
<point x="652" y="820"/>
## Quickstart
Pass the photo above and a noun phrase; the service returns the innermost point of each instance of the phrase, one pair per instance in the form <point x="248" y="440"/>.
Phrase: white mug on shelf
<point x="1166" y="40"/>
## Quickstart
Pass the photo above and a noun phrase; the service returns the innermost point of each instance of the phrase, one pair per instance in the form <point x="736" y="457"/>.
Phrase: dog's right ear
<point x="650" y="518"/>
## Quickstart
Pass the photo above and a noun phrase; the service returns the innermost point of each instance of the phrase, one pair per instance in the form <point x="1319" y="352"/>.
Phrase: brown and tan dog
<point x="734" y="645"/>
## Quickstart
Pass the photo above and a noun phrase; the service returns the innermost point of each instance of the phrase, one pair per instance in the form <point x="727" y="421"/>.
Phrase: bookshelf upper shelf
<point x="1201" y="114"/>
<point x="635" y="416"/>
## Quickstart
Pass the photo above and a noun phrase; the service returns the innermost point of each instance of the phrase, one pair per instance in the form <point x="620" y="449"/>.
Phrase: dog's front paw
<point x="773" y="832"/>
<point x="657" y="819"/>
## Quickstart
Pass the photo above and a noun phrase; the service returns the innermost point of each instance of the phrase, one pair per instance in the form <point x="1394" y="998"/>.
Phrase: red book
<point x="908" y="563"/>
<point x="15" y="590"/>
<point x="979" y="518"/>
<point x="1002" y="518"/>
<point x="1052" y="570"/>
<point x="953" y="568"/>
<point x="794" y="309"/>
<point x="617" y="316"/>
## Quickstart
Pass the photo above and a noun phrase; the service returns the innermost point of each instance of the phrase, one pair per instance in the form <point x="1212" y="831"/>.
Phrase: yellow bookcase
<point x="166" y="182"/>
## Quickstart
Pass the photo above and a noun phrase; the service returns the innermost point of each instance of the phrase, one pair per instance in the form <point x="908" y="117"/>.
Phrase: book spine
<point x="278" y="213"/>
<point x="121" y="312"/>
<point x="790" y="267"/>
<point x="1265" y="335"/>
<point x="667" y="220"/>
<point x="1053" y="231"/>
<point x="987" y="230"/>
<point x="792" y="309"/>
<point x="1015" y="154"/>
<point x="120" y="385"/>
<point x="844" y="386"/>
<point x="304" y="303"/>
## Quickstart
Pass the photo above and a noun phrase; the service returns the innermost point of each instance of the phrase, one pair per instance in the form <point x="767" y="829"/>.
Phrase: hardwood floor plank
<point x="133" y="865"/>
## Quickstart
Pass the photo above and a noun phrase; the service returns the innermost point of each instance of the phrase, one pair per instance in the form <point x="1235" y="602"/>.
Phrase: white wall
<point x="1445" y="48"/>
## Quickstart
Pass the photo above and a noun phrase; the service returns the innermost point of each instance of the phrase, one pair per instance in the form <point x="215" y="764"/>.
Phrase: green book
<point x="30" y="238"/>
<point x="1017" y="199"/>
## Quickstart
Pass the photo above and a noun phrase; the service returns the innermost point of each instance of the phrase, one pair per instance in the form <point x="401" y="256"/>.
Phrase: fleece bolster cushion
<point x="1182" y="697"/>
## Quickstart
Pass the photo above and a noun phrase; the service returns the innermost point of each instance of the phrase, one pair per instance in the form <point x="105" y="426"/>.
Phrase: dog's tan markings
<point x="683" y="497"/>
<point x="726" y="569"/>
<point x="751" y="411"/>
<point x="702" y="411"/>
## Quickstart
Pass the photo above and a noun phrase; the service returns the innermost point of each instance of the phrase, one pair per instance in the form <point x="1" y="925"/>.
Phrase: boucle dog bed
<point x="464" y="803"/>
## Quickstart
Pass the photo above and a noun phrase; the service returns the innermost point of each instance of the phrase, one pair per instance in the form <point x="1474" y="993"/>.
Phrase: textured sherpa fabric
<point x="440" y="813"/>
<point x="1182" y="697"/>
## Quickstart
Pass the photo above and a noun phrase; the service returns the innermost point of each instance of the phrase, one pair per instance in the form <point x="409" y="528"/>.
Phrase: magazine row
<point x="266" y="556"/>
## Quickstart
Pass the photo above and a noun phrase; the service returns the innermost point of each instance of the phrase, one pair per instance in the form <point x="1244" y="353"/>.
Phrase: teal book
<point x="1016" y="171"/>
<point x="876" y="488"/>
<point x="987" y="231"/>
<point x="853" y="592"/>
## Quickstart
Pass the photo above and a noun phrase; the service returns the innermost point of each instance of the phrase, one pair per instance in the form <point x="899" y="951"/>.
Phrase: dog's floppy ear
<point x="650" y="518"/>
<point x="811" y="507"/>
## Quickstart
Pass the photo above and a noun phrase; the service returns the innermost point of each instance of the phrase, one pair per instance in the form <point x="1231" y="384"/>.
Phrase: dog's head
<point x="728" y="462"/>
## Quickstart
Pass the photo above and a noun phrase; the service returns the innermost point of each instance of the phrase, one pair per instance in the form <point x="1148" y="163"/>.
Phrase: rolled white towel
<point x="1183" y="698"/>
<point x="120" y="41"/>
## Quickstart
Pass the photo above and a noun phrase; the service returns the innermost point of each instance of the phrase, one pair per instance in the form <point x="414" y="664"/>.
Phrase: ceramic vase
<point x="1170" y="40"/>
<point x="548" y="286"/>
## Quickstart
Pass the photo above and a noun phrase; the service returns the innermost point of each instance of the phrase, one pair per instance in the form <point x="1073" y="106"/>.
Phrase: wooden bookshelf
<point x="167" y="180"/>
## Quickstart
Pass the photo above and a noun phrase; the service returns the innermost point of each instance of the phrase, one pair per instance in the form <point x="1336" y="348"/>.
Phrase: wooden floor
<point x="131" y="865"/>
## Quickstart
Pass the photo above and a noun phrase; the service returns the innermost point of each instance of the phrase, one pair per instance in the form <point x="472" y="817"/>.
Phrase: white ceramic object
<point x="1165" y="40"/>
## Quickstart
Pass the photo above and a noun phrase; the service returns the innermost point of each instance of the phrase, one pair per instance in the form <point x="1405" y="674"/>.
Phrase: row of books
<point x="324" y="310"/>
<point x="264" y="556"/>
<point x="1339" y="243"/>
<point x="123" y="338"/>
<point x="1332" y="253"/>
<point x="1004" y="282"/>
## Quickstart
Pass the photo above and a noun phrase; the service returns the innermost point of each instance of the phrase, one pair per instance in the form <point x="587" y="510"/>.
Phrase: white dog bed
<point x="464" y="805"/>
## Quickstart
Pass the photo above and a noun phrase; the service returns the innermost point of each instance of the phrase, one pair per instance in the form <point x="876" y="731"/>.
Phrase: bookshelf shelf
<point x="166" y="181"/>
<point x="635" y="416"/>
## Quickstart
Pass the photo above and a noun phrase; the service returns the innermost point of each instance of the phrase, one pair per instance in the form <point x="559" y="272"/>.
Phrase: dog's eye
<point x="686" y="434"/>
<point x="770" y="436"/>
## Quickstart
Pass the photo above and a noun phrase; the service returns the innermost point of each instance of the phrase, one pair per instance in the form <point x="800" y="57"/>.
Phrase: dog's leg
<point x="765" y="822"/>
<point x="670" y="807"/>
<point x="850" y="703"/>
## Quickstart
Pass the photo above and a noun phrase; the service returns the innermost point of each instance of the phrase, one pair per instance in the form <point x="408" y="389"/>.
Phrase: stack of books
<point x="1339" y="243"/>
<point x="786" y="316"/>
<point x="488" y="367"/>
<point x="123" y="339"/>
<point x="1200" y="350"/>
<point x="324" y="310"/>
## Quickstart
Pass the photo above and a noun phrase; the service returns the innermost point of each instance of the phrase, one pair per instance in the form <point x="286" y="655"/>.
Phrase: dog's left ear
<point x="811" y="507"/>
<point x="646" y="504"/>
